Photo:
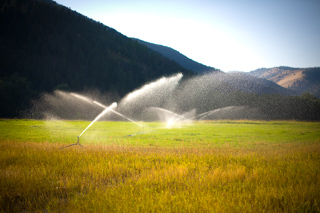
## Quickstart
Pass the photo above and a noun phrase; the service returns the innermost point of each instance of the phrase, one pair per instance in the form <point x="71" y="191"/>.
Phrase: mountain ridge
<point x="298" y="79"/>
<point x="178" y="57"/>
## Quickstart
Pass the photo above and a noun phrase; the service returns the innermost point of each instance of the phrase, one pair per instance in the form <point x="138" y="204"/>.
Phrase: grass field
<point x="219" y="166"/>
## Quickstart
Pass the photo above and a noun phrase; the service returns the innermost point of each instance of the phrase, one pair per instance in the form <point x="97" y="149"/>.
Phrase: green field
<point x="216" y="166"/>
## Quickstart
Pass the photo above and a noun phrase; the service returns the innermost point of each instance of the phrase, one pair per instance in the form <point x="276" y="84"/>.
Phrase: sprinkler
<point x="78" y="143"/>
<point x="99" y="116"/>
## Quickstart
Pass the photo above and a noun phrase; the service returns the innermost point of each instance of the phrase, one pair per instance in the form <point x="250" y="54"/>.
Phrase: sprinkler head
<point x="78" y="139"/>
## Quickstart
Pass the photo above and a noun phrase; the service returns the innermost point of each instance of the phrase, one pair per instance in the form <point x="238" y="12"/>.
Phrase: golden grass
<point x="286" y="80"/>
<point x="38" y="177"/>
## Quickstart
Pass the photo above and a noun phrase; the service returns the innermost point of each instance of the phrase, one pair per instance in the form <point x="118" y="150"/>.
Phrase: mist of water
<point x="113" y="105"/>
<point x="150" y="95"/>
<point x="153" y="87"/>
<point x="169" y="117"/>
<point x="206" y="114"/>
<point x="117" y="113"/>
<point x="212" y="95"/>
<point x="81" y="97"/>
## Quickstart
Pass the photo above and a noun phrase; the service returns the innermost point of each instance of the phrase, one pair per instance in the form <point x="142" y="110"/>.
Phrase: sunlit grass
<point x="205" y="167"/>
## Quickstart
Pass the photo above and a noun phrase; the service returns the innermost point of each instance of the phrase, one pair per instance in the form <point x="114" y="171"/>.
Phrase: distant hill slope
<point x="44" y="45"/>
<point x="178" y="57"/>
<point x="298" y="79"/>
<point x="252" y="84"/>
<point x="219" y="89"/>
<point x="265" y="99"/>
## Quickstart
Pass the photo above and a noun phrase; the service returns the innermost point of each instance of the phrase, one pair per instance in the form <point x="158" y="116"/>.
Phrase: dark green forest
<point x="45" y="46"/>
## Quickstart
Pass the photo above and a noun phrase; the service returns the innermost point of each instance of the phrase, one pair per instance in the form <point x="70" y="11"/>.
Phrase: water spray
<point x="86" y="99"/>
<point x="206" y="114"/>
<point x="117" y="113"/>
<point x="81" y="97"/>
<point x="99" y="116"/>
<point x="178" y="117"/>
<point x="155" y="91"/>
<point x="113" y="105"/>
<point x="174" y="118"/>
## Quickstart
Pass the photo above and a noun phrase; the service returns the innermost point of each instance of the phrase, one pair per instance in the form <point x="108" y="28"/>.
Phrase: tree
<point x="15" y="93"/>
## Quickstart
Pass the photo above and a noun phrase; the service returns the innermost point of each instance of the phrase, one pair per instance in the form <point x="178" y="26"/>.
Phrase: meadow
<point x="209" y="166"/>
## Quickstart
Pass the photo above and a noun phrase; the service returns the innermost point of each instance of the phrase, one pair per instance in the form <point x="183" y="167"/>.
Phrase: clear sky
<point x="231" y="35"/>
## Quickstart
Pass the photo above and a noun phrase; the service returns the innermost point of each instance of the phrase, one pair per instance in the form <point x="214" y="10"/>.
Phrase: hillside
<point x="297" y="79"/>
<point x="44" y="45"/>
<point x="217" y="90"/>
<point x="178" y="57"/>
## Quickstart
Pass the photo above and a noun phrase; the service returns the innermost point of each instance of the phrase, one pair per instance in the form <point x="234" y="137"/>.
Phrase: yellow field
<point x="270" y="177"/>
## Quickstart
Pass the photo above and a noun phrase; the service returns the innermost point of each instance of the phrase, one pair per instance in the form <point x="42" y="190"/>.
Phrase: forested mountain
<point x="179" y="58"/>
<point x="297" y="79"/>
<point x="44" y="45"/>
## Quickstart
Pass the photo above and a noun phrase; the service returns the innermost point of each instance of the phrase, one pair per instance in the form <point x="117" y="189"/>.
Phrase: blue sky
<point x="231" y="35"/>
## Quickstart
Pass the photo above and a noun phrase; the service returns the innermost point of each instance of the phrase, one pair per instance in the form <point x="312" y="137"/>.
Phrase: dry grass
<point x="286" y="80"/>
<point x="38" y="177"/>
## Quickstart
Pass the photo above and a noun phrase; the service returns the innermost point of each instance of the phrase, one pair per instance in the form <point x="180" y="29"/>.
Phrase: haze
<point x="226" y="34"/>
